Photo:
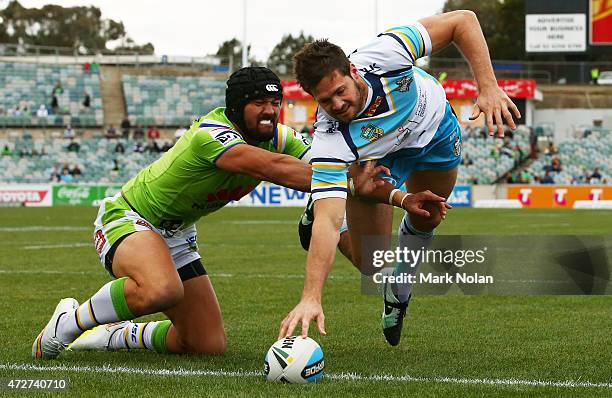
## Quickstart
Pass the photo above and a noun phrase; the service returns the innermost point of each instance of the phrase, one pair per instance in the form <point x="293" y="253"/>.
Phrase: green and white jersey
<point x="185" y="184"/>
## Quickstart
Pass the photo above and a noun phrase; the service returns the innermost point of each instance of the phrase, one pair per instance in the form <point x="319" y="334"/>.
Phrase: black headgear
<point x="248" y="84"/>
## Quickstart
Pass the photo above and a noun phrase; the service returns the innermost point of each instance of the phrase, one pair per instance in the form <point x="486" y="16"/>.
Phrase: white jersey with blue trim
<point x="403" y="109"/>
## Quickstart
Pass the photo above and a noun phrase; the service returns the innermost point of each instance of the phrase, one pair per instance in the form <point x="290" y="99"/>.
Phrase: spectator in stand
<point x="495" y="152"/>
<point x="58" y="89"/>
<point x="153" y="147"/>
<point x="54" y="104"/>
<point x="138" y="133"/>
<point x="42" y="111"/>
<point x="596" y="174"/>
<point x="116" y="165"/>
<point x="7" y="151"/>
<point x="153" y="133"/>
<point x="548" y="178"/>
<point x="556" y="164"/>
<point x="66" y="177"/>
<point x="524" y="177"/>
<point x="76" y="170"/>
<point x="111" y="132"/>
<point x="119" y="148"/>
<point x="54" y="173"/>
<point x="466" y="160"/>
<point x="86" y="101"/>
<point x="125" y="128"/>
<point x="139" y="147"/>
<point x="68" y="132"/>
<point x="73" y="146"/>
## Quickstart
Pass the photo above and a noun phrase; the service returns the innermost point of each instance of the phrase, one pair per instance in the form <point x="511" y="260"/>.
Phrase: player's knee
<point x="164" y="295"/>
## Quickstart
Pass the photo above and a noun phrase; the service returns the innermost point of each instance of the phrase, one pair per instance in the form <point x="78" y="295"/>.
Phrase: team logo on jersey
<point x="372" y="132"/>
<point x="271" y="87"/>
<point x="404" y="83"/>
<point x="372" y="109"/>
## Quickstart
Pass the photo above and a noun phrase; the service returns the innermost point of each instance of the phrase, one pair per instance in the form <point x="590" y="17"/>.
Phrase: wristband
<point x="351" y="185"/>
<point x="391" y="196"/>
<point x="405" y="196"/>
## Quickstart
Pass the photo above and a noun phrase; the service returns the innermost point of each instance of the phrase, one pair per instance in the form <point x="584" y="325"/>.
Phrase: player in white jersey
<point x="376" y="105"/>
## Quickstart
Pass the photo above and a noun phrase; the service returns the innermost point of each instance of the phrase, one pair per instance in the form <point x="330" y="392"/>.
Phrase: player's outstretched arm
<point x="462" y="28"/>
<point x="325" y="236"/>
<point x="264" y="165"/>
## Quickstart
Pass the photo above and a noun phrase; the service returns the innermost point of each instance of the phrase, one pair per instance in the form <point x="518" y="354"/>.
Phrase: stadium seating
<point x="171" y="100"/>
<point x="95" y="159"/>
<point x="488" y="168"/>
<point x="579" y="158"/>
<point x="32" y="84"/>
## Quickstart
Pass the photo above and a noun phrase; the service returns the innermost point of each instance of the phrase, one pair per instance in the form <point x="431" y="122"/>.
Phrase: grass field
<point x="452" y="345"/>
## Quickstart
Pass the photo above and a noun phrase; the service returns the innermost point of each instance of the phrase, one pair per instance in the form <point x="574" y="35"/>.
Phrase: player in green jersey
<point x="146" y="238"/>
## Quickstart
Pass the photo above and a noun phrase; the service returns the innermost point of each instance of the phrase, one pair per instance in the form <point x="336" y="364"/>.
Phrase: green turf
<point x="256" y="269"/>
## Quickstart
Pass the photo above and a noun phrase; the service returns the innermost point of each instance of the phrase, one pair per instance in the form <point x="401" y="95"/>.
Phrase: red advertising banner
<point x="601" y="22"/>
<point x="557" y="196"/>
<point x="465" y="89"/>
<point x="36" y="195"/>
<point x="292" y="90"/>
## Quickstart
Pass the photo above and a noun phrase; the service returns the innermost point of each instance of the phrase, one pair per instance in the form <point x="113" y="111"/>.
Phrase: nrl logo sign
<point x="371" y="132"/>
<point x="403" y="84"/>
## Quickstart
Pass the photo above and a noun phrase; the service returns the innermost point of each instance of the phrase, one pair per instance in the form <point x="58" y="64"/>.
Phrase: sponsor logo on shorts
<point x="143" y="223"/>
<point x="457" y="147"/>
<point x="99" y="241"/>
<point x="372" y="132"/>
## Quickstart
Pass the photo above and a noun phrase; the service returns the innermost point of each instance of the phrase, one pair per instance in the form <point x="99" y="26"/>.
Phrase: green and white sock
<point x="147" y="335"/>
<point x="108" y="305"/>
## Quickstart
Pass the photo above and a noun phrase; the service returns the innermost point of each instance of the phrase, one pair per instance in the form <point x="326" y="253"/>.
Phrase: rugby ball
<point x="294" y="360"/>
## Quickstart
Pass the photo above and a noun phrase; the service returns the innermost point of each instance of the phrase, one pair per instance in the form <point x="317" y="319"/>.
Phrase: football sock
<point x="148" y="335"/>
<point x="414" y="240"/>
<point x="106" y="306"/>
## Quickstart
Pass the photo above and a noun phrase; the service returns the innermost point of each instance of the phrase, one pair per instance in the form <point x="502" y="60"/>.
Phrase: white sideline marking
<point x="37" y="228"/>
<point x="58" y="246"/>
<point x="333" y="376"/>
<point x="260" y="222"/>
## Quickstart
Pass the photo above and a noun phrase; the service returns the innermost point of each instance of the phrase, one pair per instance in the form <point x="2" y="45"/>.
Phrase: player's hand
<point x="366" y="178"/>
<point x="304" y="312"/>
<point x="414" y="203"/>
<point x="496" y="105"/>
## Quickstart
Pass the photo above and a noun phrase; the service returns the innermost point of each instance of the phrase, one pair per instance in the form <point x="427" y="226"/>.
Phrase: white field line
<point x="57" y="246"/>
<point x="43" y="228"/>
<point x="105" y="369"/>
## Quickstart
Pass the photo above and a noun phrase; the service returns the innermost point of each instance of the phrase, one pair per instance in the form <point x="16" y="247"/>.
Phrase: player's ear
<point x="354" y="71"/>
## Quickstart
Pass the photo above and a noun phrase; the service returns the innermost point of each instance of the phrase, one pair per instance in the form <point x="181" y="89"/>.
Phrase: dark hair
<point x="317" y="60"/>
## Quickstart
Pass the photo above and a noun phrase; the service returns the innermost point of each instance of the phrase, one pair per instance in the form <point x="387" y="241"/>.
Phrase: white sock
<point x="134" y="336"/>
<point x="108" y="305"/>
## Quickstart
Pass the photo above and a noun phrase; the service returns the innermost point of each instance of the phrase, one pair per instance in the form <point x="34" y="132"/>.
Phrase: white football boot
<point x="98" y="338"/>
<point x="47" y="345"/>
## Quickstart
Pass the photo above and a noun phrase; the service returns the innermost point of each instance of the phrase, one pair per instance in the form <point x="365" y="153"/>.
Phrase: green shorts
<point x="116" y="220"/>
